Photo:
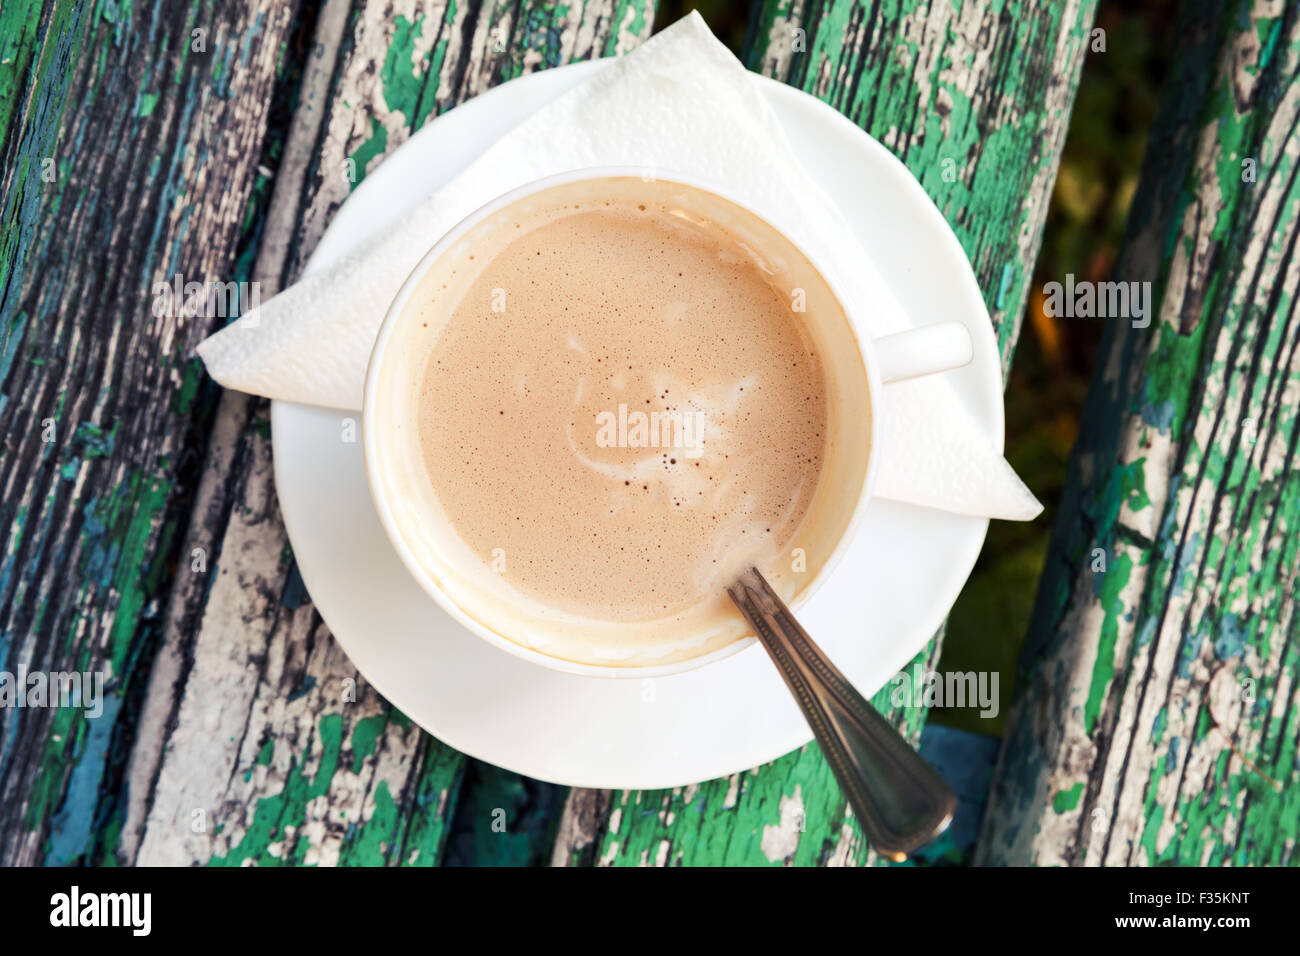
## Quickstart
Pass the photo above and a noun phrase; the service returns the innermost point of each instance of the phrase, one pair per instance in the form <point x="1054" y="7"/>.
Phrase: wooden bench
<point x="145" y="538"/>
<point x="1157" y="717"/>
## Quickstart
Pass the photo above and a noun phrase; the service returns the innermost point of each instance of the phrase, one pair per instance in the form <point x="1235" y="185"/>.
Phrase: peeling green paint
<point x="373" y="147"/>
<point x="1187" y="419"/>
<point x="1067" y="799"/>
<point x="364" y="738"/>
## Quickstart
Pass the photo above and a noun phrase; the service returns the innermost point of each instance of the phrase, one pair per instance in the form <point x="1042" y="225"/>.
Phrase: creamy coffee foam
<point x="621" y="410"/>
<point x="600" y="402"/>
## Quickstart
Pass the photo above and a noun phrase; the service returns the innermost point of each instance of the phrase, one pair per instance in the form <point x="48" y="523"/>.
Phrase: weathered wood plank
<point x="251" y="725"/>
<point x="113" y="127"/>
<point x="1156" y="720"/>
<point x="18" y="24"/>
<point x="975" y="99"/>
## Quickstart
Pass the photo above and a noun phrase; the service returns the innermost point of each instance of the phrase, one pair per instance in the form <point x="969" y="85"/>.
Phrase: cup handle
<point x="924" y="351"/>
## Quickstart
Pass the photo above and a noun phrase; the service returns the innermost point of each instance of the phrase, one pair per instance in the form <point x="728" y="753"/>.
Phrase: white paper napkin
<point x="682" y="103"/>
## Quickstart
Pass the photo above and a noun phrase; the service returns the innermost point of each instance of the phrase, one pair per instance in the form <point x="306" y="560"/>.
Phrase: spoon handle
<point x="899" y="799"/>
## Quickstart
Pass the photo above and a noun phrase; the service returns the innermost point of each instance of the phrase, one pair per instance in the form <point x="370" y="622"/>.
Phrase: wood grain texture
<point x="128" y="157"/>
<point x="974" y="98"/>
<point x="299" y="768"/>
<point x="234" y="730"/>
<point x="1156" y="718"/>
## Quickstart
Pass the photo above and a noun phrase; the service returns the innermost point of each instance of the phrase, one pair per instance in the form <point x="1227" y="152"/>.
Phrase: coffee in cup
<point x="604" y="399"/>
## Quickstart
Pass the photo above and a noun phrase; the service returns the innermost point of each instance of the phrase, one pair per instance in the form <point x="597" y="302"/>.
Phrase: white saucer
<point x="878" y="610"/>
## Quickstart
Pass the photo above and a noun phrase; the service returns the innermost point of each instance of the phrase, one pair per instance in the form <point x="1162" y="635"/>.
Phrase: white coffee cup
<point x="857" y="369"/>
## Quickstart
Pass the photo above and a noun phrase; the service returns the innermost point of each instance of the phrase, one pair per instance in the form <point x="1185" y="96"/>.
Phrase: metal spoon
<point x="900" y="800"/>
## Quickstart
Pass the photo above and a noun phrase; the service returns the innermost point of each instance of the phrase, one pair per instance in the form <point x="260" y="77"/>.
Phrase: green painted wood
<point x="347" y="781"/>
<point x="18" y="26"/>
<point x="974" y="98"/>
<point x="1157" y="715"/>
<point x="145" y="540"/>
<point x="112" y="126"/>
